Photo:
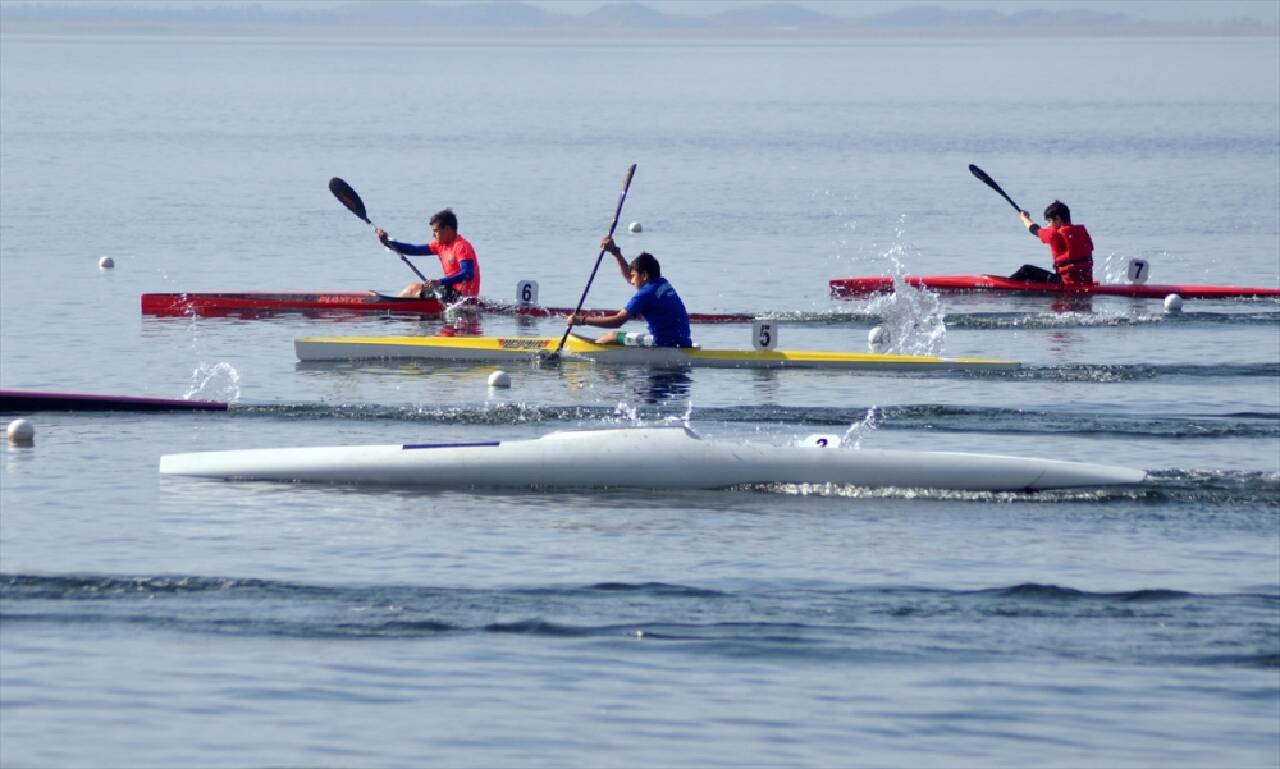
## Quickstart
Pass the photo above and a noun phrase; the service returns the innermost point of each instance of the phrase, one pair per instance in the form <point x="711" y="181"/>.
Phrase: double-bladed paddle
<point x="348" y="197"/>
<point x="626" y="185"/>
<point x="987" y="180"/>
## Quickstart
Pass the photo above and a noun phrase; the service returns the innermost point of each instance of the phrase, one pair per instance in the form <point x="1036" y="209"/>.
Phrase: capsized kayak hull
<point x="268" y="303"/>
<point x="880" y="284"/>
<point x="642" y="458"/>
<point x="524" y="349"/>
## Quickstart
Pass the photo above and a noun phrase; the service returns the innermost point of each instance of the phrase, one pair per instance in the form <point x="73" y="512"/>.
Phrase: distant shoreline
<point x="615" y="35"/>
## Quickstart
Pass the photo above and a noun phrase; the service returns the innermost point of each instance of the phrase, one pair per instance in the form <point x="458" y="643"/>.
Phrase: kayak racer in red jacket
<point x="1070" y="245"/>
<point x="457" y="258"/>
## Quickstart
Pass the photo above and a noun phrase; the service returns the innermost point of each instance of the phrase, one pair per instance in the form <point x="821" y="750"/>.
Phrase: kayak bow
<point x="29" y="401"/>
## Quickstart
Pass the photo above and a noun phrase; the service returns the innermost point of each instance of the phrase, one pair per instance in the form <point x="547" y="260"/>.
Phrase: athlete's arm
<point x="608" y="245"/>
<point x="616" y="320"/>
<point x="408" y="249"/>
<point x="466" y="271"/>
<point x="1031" y="226"/>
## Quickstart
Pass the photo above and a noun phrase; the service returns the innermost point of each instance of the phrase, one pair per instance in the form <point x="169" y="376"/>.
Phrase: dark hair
<point x="647" y="263"/>
<point x="445" y="218"/>
<point x="1058" y="209"/>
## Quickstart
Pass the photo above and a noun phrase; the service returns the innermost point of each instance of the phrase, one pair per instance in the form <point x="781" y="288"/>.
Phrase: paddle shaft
<point x="626" y="185"/>
<point x="987" y="180"/>
<point x="348" y="197"/>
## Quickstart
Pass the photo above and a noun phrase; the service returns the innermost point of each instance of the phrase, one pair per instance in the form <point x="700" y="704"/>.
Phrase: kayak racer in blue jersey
<point x="655" y="301"/>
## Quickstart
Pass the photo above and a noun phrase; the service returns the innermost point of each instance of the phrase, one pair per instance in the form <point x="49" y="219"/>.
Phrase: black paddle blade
<point x="987" y="180"/>
<point x="348" y="197"/>
<point x="978" y="172"/>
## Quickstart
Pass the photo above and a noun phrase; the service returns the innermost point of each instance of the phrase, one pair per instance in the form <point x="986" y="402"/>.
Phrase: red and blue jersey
<point x="457" y="260"/>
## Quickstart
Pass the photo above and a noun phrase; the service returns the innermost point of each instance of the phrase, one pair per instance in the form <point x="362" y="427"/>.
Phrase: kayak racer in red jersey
<point x="1070" y="244"/>
<point x="457" y="259"/>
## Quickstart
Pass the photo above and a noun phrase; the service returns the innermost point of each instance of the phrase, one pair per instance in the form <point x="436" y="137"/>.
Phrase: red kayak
<point x="266" y="303"/>
<point x="251" y="304"/>
<point x="883" y="284"/>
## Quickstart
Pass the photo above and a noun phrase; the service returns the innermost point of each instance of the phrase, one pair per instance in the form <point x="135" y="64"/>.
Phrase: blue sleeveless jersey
<point x="660" y="306"/>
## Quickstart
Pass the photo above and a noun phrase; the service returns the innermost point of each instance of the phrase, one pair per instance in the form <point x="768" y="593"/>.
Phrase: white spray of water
<point x="687" y="418"/>
<point x="626" y="412"/>
<point x="220" y="381"/>
<point x="913" y="317"/>
<point x="454" y="311"/>
<point x="859" y="430"/>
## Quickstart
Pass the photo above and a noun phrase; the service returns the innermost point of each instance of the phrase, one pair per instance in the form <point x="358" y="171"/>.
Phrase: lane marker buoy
<point x="1173" y="303"/>
<point x="877" y="338"/>
<point x="499" y="379"/>
<point x="635" y="227"/>
<point x="106" y="263"/>
<point x="21" y="432"/>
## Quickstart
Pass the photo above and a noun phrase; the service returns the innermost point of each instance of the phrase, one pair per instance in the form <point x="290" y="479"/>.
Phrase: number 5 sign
<point x="764" y="335"/>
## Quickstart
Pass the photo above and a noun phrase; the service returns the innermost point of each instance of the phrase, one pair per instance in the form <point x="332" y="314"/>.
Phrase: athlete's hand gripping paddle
<point x="348" y="197"/>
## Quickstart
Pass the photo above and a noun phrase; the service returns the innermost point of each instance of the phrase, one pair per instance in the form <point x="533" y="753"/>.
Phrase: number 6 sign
<point x="527" y="293"/>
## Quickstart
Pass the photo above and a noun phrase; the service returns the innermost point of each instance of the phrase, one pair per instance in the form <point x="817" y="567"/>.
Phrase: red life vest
<point x="1072" y="250"/>
<point x="451" y="258"/>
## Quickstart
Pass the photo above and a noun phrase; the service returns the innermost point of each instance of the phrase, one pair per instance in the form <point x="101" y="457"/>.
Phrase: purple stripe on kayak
<point x="449" y="445"/>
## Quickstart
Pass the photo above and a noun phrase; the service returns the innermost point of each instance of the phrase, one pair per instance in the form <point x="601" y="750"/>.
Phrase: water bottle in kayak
<point x="634" y="339"/>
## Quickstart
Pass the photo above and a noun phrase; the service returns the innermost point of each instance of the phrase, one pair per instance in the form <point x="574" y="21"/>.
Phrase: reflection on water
<point x="663" y="385"/>
<point x="1072" y="303"/>
<point x="461" y="322"/>
<point x="651" y="386"/>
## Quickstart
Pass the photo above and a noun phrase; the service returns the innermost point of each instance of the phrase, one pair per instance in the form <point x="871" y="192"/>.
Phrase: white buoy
<point x="635" y="227"/>
<point x="877" y="338"/>
<point x="106" y="263"/>
<point x="1173" y="303"/>
<point x="499" y="379"/>
<point x="21" y="432"/>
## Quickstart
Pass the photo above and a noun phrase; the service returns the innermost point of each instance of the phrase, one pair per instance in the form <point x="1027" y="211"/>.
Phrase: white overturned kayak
<point x="494" y="349"/>
<point x="650" y="458"/>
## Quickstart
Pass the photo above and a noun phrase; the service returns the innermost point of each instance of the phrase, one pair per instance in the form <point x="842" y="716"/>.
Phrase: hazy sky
<point x="1163" y="10"/>
<point x="1267" y="11"/>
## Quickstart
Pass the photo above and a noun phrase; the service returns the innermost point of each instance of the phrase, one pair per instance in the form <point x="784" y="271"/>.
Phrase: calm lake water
<point x="157" y="622"/>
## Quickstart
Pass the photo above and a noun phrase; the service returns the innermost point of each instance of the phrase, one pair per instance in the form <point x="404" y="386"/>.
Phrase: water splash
<point x="859" y="430"/>
<point x="686" y="419"/>
<point x="625" y="412"/>
<point x="1115" y="268"/>
<point x="913" y="317"/>
<point x="220" y="381"/>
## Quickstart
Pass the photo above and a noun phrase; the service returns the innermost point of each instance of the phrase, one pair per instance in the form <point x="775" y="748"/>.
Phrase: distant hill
<point x="773" y="15"/>
<point x="496" y="17"/>
<point x="634" y="15"/>
<point x="930" y="16"/>
<point x="492" y="13"/>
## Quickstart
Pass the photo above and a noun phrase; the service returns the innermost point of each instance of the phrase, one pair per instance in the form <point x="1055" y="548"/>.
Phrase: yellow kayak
<point x="498" y="349"/>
